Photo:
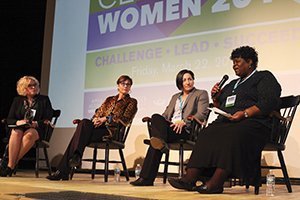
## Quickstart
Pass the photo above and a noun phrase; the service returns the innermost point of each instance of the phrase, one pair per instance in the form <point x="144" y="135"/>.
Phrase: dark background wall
<point x="21" y="33"/>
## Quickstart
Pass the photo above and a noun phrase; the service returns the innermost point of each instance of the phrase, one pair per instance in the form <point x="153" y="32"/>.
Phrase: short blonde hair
<point x="23" y="83"/>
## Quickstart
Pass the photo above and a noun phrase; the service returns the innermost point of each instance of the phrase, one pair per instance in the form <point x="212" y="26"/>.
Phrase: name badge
<point x="33" y="111"/>
<point x="176" y="119"/>
<point x="230" y="101"/>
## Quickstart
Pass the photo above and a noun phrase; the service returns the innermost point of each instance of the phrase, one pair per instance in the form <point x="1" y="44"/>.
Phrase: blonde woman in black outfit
<point x="231" y="146"/>
<point x="28" y="108"/>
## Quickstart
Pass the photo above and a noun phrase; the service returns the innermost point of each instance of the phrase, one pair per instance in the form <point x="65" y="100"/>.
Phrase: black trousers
<point x="84" y="134"/>
<point x="161" y="129"/>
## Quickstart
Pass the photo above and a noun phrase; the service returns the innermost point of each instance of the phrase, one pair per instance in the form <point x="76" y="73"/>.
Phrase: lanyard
<point x="239" y="83"/>
<point x="181" y="102"/>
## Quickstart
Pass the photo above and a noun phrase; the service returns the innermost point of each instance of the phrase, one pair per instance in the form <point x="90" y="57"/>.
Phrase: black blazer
<point x="42" y="106"/>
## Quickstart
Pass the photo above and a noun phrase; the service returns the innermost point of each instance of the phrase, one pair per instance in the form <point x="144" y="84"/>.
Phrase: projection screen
<point x="96" y="41"/>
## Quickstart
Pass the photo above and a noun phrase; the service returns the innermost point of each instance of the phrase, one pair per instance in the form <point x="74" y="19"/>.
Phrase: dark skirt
<point x="233" y="146"/>
<point x="41" y="131"/>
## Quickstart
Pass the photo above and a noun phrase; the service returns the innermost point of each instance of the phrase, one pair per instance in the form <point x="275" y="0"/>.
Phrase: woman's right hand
<point x="178" y="126"/>
<point x="21" y="122"/>
<point x="215" y="91"/>
<point x="238" y="116"/>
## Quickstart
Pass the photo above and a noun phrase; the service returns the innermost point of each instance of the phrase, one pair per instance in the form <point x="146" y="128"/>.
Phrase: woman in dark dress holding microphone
<point x="232" y="145"/>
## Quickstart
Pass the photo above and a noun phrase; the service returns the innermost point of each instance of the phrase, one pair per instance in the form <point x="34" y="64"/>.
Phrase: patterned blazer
<point x="123" y="109"/>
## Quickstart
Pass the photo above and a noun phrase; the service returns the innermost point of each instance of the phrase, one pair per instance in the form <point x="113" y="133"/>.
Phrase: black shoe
<point x="159" y="144"/>
<point x="75" y="161"/>
<point x="57" y="176"/>
<point x="141" y="182"/>
<point x="3" y="164"/>
<point x="6" y="172"/>
<point x="203" y="189"/>
<point x="179" y="184"/>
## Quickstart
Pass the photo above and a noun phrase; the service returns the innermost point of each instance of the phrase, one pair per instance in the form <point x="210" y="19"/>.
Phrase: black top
<point x="41" y="104"/>
<point x="261" y="89"/>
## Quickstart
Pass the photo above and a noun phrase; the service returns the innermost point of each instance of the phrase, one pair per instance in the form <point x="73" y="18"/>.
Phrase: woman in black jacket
<point x="27" y="118"/>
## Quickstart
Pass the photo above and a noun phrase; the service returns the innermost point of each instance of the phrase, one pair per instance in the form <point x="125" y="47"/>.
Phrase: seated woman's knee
<point x="32" y="134"/>
<point x="155" y="115"/>
<point x="85" y="122"/>
<point x="16" y="133"/>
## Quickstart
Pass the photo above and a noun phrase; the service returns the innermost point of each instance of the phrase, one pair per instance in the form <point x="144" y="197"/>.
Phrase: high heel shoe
<point x="203" y="189"/>
<point x="179" y="184"/>
<point x="75" y="161"/>
<point x="57" y="176"/>
<point x="3" y="164"/>
<point x="6" y="172"/>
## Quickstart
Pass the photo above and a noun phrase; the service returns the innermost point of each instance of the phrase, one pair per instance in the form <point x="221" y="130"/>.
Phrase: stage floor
<point x="24" y="186"/>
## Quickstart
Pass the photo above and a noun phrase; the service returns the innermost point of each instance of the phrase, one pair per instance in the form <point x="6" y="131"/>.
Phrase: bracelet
<point x="109" y="118"/>
<point x="246" y="114"/>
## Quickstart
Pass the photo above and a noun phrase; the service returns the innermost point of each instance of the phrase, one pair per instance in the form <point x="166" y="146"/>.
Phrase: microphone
<point x="221" y="83"/>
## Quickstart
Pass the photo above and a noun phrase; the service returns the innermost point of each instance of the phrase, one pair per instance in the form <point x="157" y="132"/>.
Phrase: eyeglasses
<point x="34" y="85"/>
<point x="125" y="84"/>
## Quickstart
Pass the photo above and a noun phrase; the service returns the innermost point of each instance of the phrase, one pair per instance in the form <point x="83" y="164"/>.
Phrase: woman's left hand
<point x="98" y="121"/>
<point x="34" y="124"/>
<point x="239" y="115"/>
<point x="177" y="127"/>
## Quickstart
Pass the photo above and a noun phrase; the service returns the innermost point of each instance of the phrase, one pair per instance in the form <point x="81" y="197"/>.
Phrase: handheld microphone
<point x="221" y="83"/>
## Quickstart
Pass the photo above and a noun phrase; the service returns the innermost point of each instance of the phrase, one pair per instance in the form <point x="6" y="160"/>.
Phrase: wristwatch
<point x="246" y="114"/>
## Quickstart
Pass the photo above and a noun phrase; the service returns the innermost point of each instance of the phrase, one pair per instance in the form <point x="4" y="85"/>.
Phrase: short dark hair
<point x="179" y="77"/>
<point x="247" y="53"/>
<point x="124" y="78"/>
